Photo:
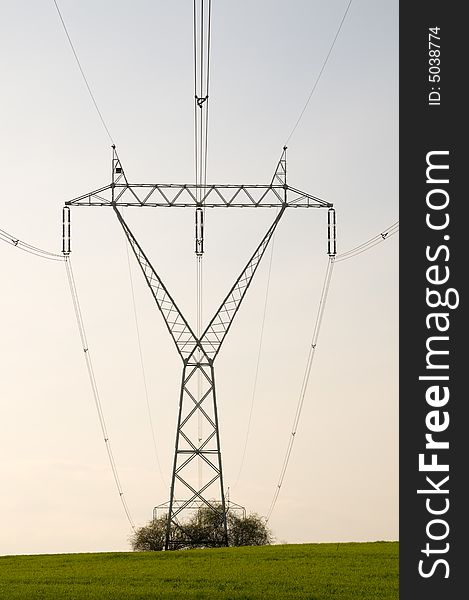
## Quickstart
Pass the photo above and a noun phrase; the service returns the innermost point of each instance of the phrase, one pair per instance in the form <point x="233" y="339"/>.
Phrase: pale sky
<point x="57" y="490"/>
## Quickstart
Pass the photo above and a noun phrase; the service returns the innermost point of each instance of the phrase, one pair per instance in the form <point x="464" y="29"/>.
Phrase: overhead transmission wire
<point x="371" y="243"/>
<point x="207" y="84"/>
<point x="304" y="385"/>
<point x="353" y="252"/>
<point x="12" y="240"/>
<point x="321" y="71"/>
<point x="88" y="87"/>
<point x="78" y="314"/>
<point x="364" y="247"/>
<point x="328" y="273"/>
<point x="6" y="237"/>
<point x="387" y="233"/>
<point x="142" y="366"/>
<point x="94" y="387"/>
<point x="201" y="89"/>
<point x="258" y="362"/>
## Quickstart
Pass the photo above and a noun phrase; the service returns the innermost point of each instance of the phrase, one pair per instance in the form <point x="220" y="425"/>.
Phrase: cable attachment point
<point x="199" y="231"/>
<point x="200" y="101"/>
<point x="66" y="249"/>
<point x="331" y="233"/>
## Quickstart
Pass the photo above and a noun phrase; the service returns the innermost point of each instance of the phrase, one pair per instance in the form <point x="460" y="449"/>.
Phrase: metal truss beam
<point x="120" y="192"/>
<point x="186" y="195"/>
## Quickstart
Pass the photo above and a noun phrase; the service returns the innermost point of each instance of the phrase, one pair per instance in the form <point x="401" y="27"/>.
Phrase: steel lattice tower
<point x="198" y="354"/>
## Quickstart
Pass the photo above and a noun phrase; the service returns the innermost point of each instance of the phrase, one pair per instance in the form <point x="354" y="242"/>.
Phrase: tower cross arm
<point x="167" y="195"/>
<point x="99" y="197"/>
<point x="297" y="198"/>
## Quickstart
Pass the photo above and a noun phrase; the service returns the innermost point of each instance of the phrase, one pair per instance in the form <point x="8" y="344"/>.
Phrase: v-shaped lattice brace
<point x="180" y="331"/>
<point x="216" y="331"/>
<point x="182" y="334"/>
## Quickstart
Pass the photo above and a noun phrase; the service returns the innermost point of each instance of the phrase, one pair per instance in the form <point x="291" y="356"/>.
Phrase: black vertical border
<point x="424" y="128"/>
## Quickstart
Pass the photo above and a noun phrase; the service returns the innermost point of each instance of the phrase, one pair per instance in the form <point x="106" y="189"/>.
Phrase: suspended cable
<point x="371" y="243"/>
<point x="304" y="385"/>
<point x="12" y="240"/>
<point x="319" y="74"/>
<point x="258" y="362"/>
<point x="209" y="35"/>
<point x="196" y="130"/>
<point x="377" y="238"/>
<point x="202" y="43"/>
<point x="365" y="249"/>
<point x="202" y="98"/>
<point x="94" y="387"/>
<point x="261" y="337"/>
<point x="142" y="365"/>
<point x="202" y="25"/>
<point x="93" y="99"/>
<point x="200" y="432"/>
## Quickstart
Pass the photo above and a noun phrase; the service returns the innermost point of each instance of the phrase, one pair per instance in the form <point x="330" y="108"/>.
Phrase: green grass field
<point x="367" y="571"/>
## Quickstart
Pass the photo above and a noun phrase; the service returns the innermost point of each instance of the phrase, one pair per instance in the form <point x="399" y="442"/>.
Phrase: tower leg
<point x="189" y="491"/>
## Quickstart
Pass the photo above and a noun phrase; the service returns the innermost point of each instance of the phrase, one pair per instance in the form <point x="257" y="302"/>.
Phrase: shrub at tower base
<point x="205" y="524"/>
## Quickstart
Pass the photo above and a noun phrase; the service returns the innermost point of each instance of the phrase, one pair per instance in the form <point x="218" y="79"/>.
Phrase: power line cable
<point x="371" y="243"/>
<point x="196" y="145"/>
<point x="94" y="387"/>
<point x="382" y="235"/>
<point x="21" y="245"/>
<point x="319" y="74"/>
<point x="258" y="361"/>
<point x="202" y="20"/>
<point x="88" y="87"/>
<point x="365" y="246"/>
<point x="304" y="385"/>
<point x="201" y="87"/>
<point x="365" y="249"/>
<point x="199" y="373"/>
<point x="209" y="36"/>
<point x="142" y="366"/>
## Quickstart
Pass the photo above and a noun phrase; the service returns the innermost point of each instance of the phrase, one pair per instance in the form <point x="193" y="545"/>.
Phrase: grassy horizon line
<point x="318" y="571"/>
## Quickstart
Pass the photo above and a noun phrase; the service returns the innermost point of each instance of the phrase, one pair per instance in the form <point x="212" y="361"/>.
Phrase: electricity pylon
<point x="198" y="354"/>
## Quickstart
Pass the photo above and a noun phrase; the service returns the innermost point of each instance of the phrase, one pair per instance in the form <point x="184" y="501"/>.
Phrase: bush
<point x="204" y="529"/>
<point x="150" y="537"/>
<point x="248" y="531"/>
